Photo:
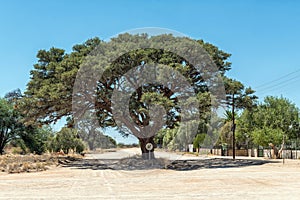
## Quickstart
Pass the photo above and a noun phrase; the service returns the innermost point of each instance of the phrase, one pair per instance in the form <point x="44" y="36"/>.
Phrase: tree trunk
<point x="147" y="154"/>
<point x="2" y="145"/>
<point x="1" y="149"/>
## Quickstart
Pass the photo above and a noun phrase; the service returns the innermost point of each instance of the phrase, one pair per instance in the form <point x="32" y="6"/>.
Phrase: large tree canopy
<point x="49" y="92"/>
<point x="48" y="96"/>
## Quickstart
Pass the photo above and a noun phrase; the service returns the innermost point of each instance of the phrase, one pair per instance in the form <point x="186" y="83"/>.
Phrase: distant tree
<point x="91" y="134"/>
<point x="226" y="134"/>
<point x="98" y="140"/>
<point x="199" y="139"/>
<point x="169" y="139"/>
<point x="13" y="96"/>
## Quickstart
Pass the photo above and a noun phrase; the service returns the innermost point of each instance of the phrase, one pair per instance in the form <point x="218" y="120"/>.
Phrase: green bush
<point x="199" y="140"/>
<point x="66" y="139"/>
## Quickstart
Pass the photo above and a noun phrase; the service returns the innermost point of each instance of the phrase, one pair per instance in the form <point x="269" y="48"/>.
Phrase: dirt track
<point x="263" y="181"/>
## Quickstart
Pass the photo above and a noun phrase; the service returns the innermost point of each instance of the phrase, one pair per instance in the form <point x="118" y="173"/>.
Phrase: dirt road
<point x="208" y="181"/>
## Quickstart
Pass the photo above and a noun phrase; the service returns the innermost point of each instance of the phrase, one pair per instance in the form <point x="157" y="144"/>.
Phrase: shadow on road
<point x="136" y="163"/>
<point x="215" y="163"/>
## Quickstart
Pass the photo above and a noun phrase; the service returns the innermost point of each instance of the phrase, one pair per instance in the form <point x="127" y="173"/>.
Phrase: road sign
<point x="149" y="146"/>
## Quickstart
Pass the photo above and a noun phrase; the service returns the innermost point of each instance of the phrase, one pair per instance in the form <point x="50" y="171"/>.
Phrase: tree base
<point x="148" y="156"/>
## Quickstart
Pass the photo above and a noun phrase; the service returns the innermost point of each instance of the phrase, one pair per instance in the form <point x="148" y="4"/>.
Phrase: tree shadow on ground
<point x="182" y="165"/>
<point x="137" y="163"/>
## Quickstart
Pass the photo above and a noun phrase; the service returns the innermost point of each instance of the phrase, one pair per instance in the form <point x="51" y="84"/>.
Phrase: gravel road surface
<point x="207" y="178"/>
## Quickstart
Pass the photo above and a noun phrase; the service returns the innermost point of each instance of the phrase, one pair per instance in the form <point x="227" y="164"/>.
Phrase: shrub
<point x="66" y="139"/>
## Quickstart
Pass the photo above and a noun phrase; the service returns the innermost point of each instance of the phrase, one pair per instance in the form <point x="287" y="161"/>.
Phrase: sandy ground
<point x="266" y="181"/>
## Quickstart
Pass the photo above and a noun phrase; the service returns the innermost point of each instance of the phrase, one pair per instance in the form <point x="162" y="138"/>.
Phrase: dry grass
<point x="30" y="163"/>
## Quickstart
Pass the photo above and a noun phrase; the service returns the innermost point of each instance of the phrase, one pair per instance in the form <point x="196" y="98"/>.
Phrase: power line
<point x="280" y="84"/>
<point x="266" y="84"/>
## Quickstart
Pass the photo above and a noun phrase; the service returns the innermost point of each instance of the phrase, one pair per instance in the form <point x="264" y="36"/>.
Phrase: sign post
<point x="149" y="147"/>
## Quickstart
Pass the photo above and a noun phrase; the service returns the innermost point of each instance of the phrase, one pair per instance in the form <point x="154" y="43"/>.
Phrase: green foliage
<point x="229" y="116"/>
<point x="122" y="145"/>
<point x="49" y="92"/>
<point x="237" y="97"/>
<point x="277" y="113"/>
<point x="48" y="96"/>
<point x="180" y="137"/>
<point x="98" y="140"/>
<point x="219" y="57"/>
<point x="272" y="118"/>
<point x="35" y="138"/>
<point x="245" y="122"/>
<point x="167" y="138"/>
<point x="66" y="139"/>
<point x="267" y="135"/>
<point x="199" y="139"/>
<point x="226" y="133"/>
<point x="10" y="125"/>
<point x="186" y="134"/>
<point x="92" y="135"/>
<point x="18" y="142"/>
<point x="243" y="97"/>
<point x="28" y="138"/>
<point x="13" y="96"/>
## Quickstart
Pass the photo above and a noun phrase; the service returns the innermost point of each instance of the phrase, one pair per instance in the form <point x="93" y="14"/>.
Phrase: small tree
<point x="67" y="139"/>
<point x="198" y="141"/>
<point x="226" y="133"/>
<point x="10" y="124"/>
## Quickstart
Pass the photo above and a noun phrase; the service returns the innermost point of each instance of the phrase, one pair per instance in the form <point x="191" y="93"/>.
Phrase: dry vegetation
<point x="32" y="163"/>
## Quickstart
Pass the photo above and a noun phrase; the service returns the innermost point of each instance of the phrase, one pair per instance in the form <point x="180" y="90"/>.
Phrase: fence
<point x="291" y="154"/>
<point x="222" y="152"/>
<point x="288" y="154"/>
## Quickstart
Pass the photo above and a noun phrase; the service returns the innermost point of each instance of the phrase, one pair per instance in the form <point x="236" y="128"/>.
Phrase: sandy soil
<point x="212" y="178"/>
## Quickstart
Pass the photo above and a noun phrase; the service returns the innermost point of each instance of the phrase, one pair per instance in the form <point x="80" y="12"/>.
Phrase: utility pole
<point x="282" y="153"/>
<point x="233" y="128"/>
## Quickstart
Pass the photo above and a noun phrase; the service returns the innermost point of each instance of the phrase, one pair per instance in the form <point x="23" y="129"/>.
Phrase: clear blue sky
<point x="262" y="36"/>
